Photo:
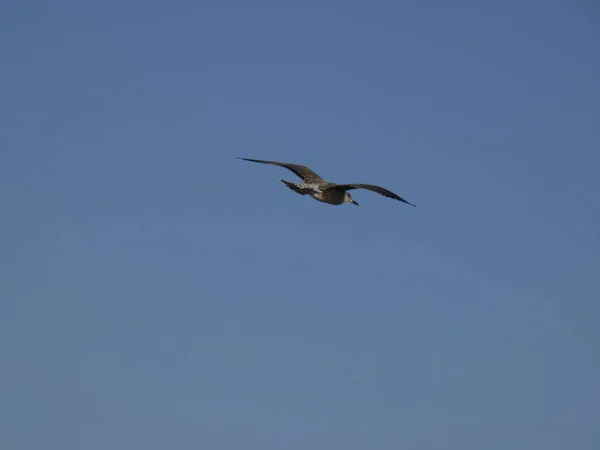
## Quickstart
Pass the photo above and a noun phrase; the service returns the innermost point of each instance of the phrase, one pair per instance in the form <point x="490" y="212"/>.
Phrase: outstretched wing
<point x="307" y="175"/>
<point x="370" y="187"/>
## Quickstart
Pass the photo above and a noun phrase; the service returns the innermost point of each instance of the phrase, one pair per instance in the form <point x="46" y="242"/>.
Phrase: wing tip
<point x="407" y="202"/>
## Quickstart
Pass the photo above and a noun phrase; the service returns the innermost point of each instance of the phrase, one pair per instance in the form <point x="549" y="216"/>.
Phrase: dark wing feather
<point x="370" y="187"/>
<point x="307" y="175"/>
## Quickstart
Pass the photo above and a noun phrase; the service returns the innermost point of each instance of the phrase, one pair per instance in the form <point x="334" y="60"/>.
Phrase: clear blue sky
<point x="156" y="293"/>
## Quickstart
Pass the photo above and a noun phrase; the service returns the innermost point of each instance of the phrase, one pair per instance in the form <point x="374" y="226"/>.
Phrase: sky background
<point x="156" y="293"/>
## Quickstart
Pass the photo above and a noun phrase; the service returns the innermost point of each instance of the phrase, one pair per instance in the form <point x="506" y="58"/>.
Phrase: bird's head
<point x="349" y="199"/>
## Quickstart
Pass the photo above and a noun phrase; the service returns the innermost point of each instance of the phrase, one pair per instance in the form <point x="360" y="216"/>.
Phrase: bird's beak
<point x="354" y="203"/>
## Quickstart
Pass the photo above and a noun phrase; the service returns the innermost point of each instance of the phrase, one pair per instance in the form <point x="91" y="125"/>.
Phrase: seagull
<point x="324" y="191"/>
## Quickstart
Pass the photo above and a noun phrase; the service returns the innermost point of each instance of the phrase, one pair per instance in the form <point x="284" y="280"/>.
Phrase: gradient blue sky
<point x="156" y="293"/>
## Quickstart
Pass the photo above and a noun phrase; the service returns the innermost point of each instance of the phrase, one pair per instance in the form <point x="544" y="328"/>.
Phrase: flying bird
<point x="324" y="191"/>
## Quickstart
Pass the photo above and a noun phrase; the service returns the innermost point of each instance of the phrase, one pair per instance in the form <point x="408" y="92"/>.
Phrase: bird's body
<point x="317" y="191"/>
<point x="324" y="191"/>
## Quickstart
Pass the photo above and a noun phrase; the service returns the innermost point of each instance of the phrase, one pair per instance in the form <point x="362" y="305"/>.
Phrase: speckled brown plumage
<point x="324" y="191"/>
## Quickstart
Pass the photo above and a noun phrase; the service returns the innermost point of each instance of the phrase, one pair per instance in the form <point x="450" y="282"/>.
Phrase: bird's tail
<point x="294" y="187"/>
